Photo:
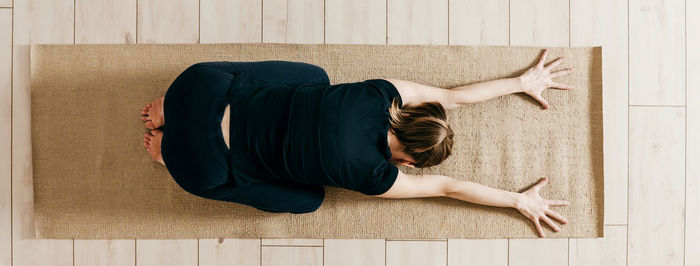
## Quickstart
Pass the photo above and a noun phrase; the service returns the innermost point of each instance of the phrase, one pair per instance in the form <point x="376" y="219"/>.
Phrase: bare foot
<point x="151" y="141"/>
<point x="152" y="113"/>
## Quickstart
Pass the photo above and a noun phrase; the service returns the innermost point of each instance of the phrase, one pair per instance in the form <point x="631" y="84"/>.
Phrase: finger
<point x="557" y="216"/>
<point x="558" y="202"/>
<point x="551" y="223"/>
<point x="555" y="63"/>
<point x="541" y="184"/>
<point x="562" y="72"/>
<point x="560" y="86"/>
<point x="538" y="227"/>
<point x="542" y="101"/>
<point x="542" y="58"/>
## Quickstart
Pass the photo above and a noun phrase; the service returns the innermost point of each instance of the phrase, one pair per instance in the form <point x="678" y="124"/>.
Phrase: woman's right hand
<point x="535" y="208"/>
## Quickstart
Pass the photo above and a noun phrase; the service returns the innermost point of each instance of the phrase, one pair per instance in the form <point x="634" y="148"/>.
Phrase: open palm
<point x="536" y="208"/>
<point x="538" y="78"/>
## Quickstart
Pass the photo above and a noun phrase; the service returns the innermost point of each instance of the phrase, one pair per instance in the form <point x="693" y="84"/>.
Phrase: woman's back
<point x="318" y="133"/>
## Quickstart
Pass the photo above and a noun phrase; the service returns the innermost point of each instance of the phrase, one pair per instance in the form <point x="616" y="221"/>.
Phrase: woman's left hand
<point x="538" y="78"/>
<point x="535" y="208"/>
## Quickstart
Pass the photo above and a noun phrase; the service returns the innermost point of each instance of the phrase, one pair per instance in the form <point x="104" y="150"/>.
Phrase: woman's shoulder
<point x="384" y="89"/>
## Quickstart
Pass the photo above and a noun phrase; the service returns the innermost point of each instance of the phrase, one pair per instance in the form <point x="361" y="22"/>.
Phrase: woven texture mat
<point x="94" y="179"/>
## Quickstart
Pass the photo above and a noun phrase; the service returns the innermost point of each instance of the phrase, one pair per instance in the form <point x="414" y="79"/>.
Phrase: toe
<point x="150" y="125"/>
<point x="145" y="145"/>
<point x="155" y="132"/>
<point x="149" y="105"/>
<point x="145" y="118"/>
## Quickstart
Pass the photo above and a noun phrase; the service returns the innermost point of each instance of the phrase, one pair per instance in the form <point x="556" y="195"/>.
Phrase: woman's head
<point x="422" y="131"/>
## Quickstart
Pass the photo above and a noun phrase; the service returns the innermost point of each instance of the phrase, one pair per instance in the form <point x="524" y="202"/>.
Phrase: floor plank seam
<point x="12" y="93"/>
<point x="685" y="133"/>
<point x="74" y="7"/>
<point x="568" y="240"/>
<point x="627" y="238"/>
<point x="261" y="246"/>
<point x="417" y="240"/>
<point x="292" y="246"/>
<point x="136" y="39"/>
<point x="199" y="21"/>
<point x="323" y="250"/>
<point x="656" y="105"/>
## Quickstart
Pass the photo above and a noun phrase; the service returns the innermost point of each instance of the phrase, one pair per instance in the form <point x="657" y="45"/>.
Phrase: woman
<point x="271" y="134"/>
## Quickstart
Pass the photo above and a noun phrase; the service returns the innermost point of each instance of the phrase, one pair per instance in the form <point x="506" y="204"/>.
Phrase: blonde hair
<point x="423" y="131"/>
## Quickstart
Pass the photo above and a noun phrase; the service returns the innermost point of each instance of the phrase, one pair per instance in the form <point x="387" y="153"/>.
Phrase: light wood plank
<point x="243" y="252"/>
<point x="608" y="251"/>
<point x="168" y="21"/>
<point x="90" y="252"/>
<point x="657" y="56"/>
<point x="531" y="252"/>
<point x="350" y="252"/>
<point x="5" y="136"/>
<point x="657" y="185"/>
<point x="51" y="21"/>
<point x="604" y="22"/>
<point x="106" y="21"/>
<point x="692" y="190"/>
<point x="292" y="256"/>
<point x="171" y="252"/>
<point x="417" y="22"/>
<point x="483" y="252"/>
<point x="231" y="21"/>
<point x="42" y="252"/>
<point x="416" y="253"/>
<point x="299" y="21"/>
<point x="478" y="22"/>
<point x="355" y="21"/>
<point x="35" y="22"/>
<point x="291" y="242"/>
<point x="539" y="22"/>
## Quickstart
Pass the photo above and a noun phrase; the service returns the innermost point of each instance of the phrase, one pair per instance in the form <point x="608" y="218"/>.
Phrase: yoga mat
<point x="94" y="179"/>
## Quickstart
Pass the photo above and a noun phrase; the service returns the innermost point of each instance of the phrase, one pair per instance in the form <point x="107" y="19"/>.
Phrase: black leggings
<point x="193" y="146"/>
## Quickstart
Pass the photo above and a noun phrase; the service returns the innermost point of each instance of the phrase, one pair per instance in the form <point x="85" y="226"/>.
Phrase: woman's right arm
<point x="529" y="203"/>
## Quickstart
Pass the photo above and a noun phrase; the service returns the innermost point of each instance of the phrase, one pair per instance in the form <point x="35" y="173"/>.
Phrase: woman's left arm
<point x="529" y="203"/>
<point x="533" y="82"/>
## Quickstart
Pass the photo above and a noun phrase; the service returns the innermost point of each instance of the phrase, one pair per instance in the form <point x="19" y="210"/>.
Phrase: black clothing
<point x="290" y="133"/>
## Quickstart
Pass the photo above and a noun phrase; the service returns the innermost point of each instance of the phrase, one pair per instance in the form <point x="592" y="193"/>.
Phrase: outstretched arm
<point x="532" y="82"/>
<point x="529" y="203"/>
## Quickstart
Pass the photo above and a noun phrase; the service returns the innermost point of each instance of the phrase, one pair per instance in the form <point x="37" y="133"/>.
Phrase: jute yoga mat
<point x="94" y="179"/>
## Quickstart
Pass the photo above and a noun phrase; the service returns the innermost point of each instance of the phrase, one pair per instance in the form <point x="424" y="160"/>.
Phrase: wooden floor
<point x="651" y="105"/>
